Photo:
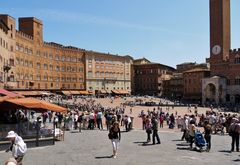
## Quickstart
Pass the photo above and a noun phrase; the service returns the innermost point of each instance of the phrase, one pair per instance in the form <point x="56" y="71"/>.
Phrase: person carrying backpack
<point x="18" y="147"/>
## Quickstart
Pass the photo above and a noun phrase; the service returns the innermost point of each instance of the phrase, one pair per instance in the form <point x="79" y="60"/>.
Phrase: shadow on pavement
<point x="182" y="144"/>
<point x="183" y="148"/>
<point x="226" y="151"/>
<point x="236" y="160"/>
<point x="177" y="140"/>
<point x="103" y="157"/>
<point x="143" y="143"/>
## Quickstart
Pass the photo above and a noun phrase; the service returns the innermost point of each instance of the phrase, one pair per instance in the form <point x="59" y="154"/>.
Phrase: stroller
<point x="200" y="141"/>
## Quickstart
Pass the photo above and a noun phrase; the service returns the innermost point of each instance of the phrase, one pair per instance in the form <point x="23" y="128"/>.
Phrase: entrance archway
<point x="210" y="92"/>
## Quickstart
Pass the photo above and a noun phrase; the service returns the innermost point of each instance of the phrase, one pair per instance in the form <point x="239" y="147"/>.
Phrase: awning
<point x="75" y="92"/>
<point x="120" y="92"/>
<point x="115" y="92"/>
<point x="4" y="92"/>
<point x="29" y="93"/>
<point x="124" y="92"/>
<point x="66" y="93"/>
<point x="84" y="93"/>
<point x="46" y="93"/>
<point x="33" y="104"/>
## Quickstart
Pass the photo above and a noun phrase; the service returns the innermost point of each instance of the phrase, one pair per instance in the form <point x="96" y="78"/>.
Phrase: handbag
<point x="110" y="135"/>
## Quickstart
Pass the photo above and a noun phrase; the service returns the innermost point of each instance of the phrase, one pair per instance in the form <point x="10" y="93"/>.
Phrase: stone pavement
<point x="94" y="148"/>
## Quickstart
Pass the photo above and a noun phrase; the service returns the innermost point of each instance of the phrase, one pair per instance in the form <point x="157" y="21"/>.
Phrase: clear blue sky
<point x="164" y="31"/>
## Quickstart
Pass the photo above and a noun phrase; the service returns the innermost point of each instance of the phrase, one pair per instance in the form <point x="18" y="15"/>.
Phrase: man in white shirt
<point x="18" y="147"/>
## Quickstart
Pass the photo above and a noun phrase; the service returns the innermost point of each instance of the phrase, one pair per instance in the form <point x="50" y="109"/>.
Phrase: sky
<point x="169" y="32"/>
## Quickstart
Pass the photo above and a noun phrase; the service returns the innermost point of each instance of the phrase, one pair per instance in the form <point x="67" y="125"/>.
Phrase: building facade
<point x="106" y="73"/>
<point x="148" y="78"/>
<point x="173" y="88"/>
<point x="7" y="54"/>
<point x="192" y="83"/>
<point x="38" y="65"/>
<point x="45" y="66"/>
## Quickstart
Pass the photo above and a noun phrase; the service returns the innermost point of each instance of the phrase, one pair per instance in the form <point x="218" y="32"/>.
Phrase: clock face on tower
<point x="216" y="49"/>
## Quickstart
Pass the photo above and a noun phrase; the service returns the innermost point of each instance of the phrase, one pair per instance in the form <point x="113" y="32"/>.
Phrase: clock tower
<point x="220" y="33"/>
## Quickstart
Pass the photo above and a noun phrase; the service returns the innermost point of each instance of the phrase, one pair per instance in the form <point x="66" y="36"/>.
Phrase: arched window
<point x="237" y="80"/>
<point x="237" y="59"/>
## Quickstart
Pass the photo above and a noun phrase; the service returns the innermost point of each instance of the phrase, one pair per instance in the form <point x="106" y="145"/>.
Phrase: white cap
<point x="11" y="134"/>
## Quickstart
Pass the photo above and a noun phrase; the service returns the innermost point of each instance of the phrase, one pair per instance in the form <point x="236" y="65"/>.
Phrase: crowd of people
<point x="86" y="113"/>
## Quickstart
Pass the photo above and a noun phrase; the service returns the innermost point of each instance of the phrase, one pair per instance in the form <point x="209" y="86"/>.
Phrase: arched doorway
<point x="210" y="92"/>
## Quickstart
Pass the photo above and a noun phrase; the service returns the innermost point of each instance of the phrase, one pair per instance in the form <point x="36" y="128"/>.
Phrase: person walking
<point x="234" y="131"/>
<point x="18" y="147"/>
<point x="115" y="137"/>
<point x="185" y="127"/>
<point x="207" y="135"/>
<point x="155" y="130"/>
<point x="148" y="128"/>
<point x="192" y="129"/>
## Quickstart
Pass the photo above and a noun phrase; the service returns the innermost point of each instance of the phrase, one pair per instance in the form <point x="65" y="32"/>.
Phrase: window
<point x="45" y="66"/>
<point x="38" y="77"/>
<point x="26" y="62"/>
<point x="30" y="77"/>
<point x="57" y="68"/>
<point x="237" y="81"/>
<point x="80" y="69"/>
<point x="57" y="57"/>
<point x="57" y="79"/>
<point x="80" y="79"/>
<point x="50" y="67"/>
<point x="30" y="64"/>
<point x="45" y="78"/>
<point x="17" y="46"/>
<point x="68" y="68"/>
<point x="38" y="53"/>
<point x="237" y="59"/>
<point x="90" y="74"/>
<point x="50" y="56"/>
<point x="63" y="58"/>
<point x="63" y="68"/>
<point x="38" y="65"/>
<point x="17" y="61"/>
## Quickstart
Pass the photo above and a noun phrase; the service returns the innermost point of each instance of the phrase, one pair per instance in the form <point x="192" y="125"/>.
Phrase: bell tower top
<point x="220" y="30"/>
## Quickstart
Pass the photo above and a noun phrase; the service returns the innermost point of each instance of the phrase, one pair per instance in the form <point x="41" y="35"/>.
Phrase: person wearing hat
<point x="18" y="147"/>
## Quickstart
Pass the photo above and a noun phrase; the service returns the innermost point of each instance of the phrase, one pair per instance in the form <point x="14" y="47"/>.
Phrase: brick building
<point x="39" y="65"/>
<point x="173" y="88"/>
<point x="224" y="84"/>
<point x="7" y="45"/>
<point x="148" y="78"/>
<point x="192" y="83"/>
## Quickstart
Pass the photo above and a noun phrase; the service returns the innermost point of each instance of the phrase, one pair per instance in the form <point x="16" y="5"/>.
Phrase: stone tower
<point x="220" y="34"/>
